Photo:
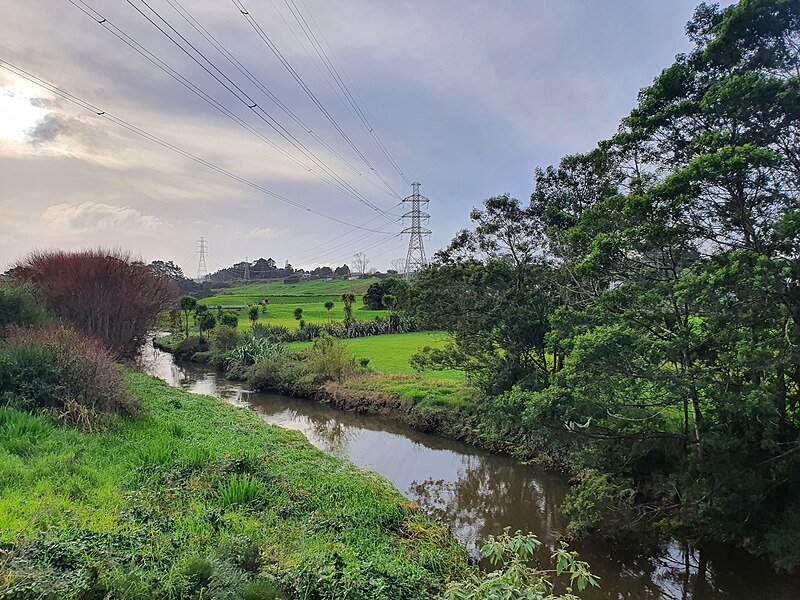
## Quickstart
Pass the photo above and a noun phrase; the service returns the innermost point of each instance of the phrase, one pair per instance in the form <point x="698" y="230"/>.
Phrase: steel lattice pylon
<point x="416" y="259"/>
<point x="202" y="270"/>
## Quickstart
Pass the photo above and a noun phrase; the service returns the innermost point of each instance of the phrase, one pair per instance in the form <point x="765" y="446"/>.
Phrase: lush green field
<point x="391" y="353"/>
<point x="316" y="287"/>
<point x="200" y="499"/>
<point x="283" y="298"/>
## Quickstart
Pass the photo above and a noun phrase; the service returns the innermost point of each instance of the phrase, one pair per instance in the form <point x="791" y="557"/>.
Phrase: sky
<point x="467" y="97"/>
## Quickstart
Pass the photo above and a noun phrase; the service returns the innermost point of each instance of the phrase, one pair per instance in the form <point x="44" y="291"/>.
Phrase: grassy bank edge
<point x="326" y="510"/>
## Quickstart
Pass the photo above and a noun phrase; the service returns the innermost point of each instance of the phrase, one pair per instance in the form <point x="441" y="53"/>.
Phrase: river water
<point x="476" y="494"/>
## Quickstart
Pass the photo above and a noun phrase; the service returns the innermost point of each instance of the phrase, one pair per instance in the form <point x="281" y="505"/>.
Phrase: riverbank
<point x="198" y="496"/>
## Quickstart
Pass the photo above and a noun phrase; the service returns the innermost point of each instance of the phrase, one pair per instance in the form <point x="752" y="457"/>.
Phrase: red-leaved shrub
<point x="60" y="370"/>
<point x="103" y="293"/>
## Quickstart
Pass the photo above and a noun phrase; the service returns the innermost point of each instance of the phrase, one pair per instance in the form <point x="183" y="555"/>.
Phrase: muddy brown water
<point x="476" y="494"/>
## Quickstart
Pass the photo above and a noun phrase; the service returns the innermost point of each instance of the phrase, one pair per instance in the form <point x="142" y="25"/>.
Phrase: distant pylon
<point x="202" y="270"/>
<point x="246" y="269"/>
<point x="416" y="259"/>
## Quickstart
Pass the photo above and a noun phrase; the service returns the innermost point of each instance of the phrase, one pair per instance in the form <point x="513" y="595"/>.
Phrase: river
<point x="476" y="494"/>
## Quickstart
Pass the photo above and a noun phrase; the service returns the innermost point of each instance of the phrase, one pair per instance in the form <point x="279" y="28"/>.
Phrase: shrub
<point x="60" y="370"/>
<point x="283" y="372"/>
<point x="329" y="359"/>
<point x="105" y="294"/>
<point x="517" y="574"/>
<point x="19" y="305"/>
<point x="223" y="338"/>
<point x="189" y="347"/>
<point x="228" y="319"/>
<point x="252" y="350"/>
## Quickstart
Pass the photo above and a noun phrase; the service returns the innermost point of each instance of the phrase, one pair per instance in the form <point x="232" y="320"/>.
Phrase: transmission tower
<point x="415" y="259"/>
<point x="246" y="268"/>
<point x="202" y="270"/>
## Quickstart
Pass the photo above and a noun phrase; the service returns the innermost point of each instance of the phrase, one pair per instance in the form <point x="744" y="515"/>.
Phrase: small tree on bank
<point x="348" y="299"/>
<point x="187" y="304"/>
<point x="329" y="308"/>
<point x="252" y="314"/>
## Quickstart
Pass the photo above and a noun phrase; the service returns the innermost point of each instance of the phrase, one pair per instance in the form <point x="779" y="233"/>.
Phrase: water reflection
<point x="476" y="494"/>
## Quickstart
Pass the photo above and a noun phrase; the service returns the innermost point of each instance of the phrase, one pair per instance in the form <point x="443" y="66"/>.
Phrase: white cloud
<point x="265" y="233"/>
<point x="93" y="216"/>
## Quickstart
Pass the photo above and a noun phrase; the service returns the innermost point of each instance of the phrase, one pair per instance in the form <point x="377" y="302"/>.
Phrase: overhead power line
<point x="23" y="74"/>
<point x="199" y="58"/>
<point x="296" y="76"/>
<point x="187" y="16"/>
<point x="345" y="90"/>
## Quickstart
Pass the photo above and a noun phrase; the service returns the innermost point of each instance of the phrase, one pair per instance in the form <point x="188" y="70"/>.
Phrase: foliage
<point x="253" y="349"/>
<point x="642" y="313"/>
<point x="223" y="338"/>
<point x="189" y="347"/>
<point x="228" y="319"/>
<point x="298" y="313"/>
<point x="373" y="298"/>
<point x="329" y="359"/>
<point x="187" y="305"/>
<point x="105" y="294"/>
<point x="518" y="577"/>
<point x="19" y="305"/>
<point x="64" y="372"/>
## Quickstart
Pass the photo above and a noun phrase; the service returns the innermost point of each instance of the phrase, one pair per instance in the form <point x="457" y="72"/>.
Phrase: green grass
<point x="164" y="505"/>
<point x="317" y="287"/>
<point x="391" y="353"/>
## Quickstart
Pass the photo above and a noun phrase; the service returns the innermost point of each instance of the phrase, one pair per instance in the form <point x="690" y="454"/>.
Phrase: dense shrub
<point x="283" y="372"/>
<point x="223" y="338"/>
<point x="19" y="305"/>
<point x="60" y="370"/>
<point x="253" y="350"/>
<point x="329" y="359"/>
<point x="105" y="294"/>
<point x="189" y="347"/>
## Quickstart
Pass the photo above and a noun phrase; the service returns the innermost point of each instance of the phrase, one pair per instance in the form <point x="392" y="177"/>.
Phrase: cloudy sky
<point x="467" y="96"/>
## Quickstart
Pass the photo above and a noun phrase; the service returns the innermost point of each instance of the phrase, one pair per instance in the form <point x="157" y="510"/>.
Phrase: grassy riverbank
<point x="199" y="497"/>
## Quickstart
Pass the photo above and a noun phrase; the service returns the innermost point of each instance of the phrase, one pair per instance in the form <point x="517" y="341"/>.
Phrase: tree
<point x="492" y="290"/>
<point x="342" y="271"/>
<point x="205" y="322"/>
<point x="390" y="302"/>
<point x="168" y="270"/>
<point x="348" y="299"/>
<point x="360" y="263"/>
<point x="252" y="314"/>
<point x="105" y="294"/>
<point x="298" y="313"/>
<point x="187" y="304"/>
<point x="329" y="308"/>
<point x="373" y="298"/>
<point x="228" y="319"/>
<point x="20" y="306"/>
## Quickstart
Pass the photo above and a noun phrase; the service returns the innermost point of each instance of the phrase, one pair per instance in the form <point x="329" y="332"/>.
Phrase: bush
<point x="252" y="350"/>
<point x="518" y="575"/>
<point x="329" y="359"/>
<point x="189" y="347"/>
<point x="19" y="305"/>
<point x="284" y="373"/>
<point x="105" y="294"/>
<point x="60" y="370"/>
<point x="223" y="338"/>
